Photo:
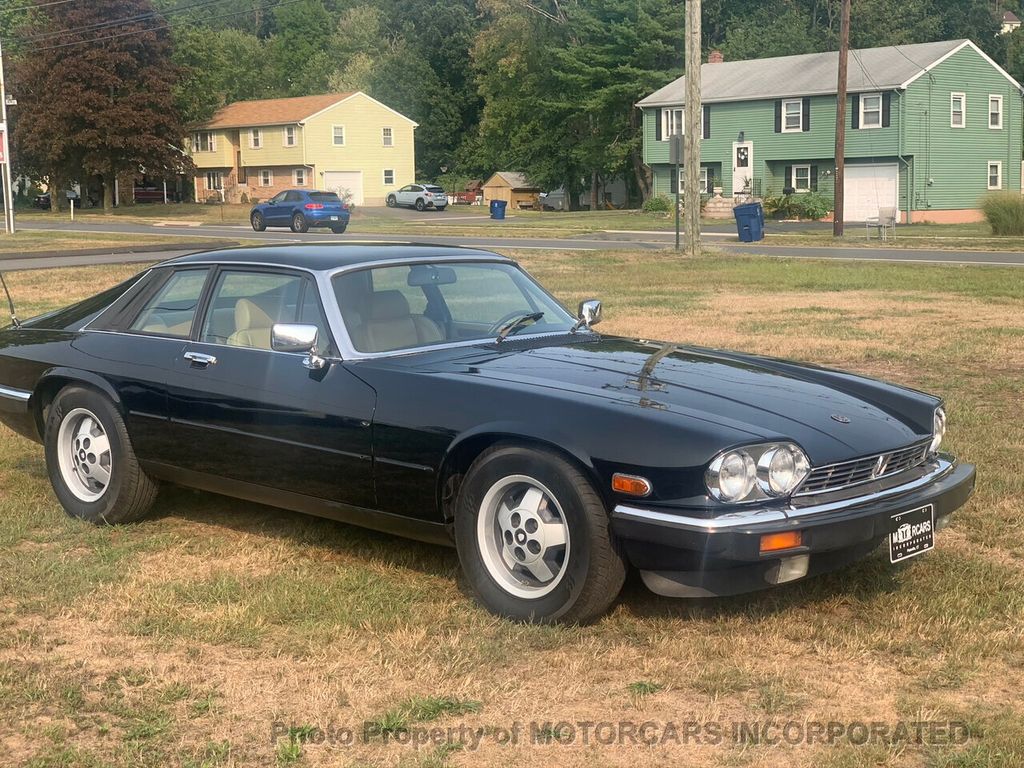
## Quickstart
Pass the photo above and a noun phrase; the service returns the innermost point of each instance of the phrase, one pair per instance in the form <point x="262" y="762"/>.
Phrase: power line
<point x="270" y="7"/>
<point x="33" y="6"/>
<point x="99" y="26"/>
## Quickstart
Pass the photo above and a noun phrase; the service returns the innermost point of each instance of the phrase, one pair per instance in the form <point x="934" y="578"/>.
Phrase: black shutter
<point x="707" y="121"/>
<point x="886" y="109"/>
<point x="778" y="117"/>
<point x="814" y="178"/>
<point x="807" y="113"/>
<point x="788" y="181"/>
<point x="657" y="124"/>
<point x="673" y="181"/>
<point x="855" y="111"/>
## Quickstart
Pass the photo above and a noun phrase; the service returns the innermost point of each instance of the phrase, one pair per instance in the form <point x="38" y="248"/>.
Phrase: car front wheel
<point x="533" y="538"/>
<point x="259" y="224"/>
<point x="299" y="223"/>
<point x="339" y="229"/>
<point x="392" y="201"/>
<point x="89" y="458"/>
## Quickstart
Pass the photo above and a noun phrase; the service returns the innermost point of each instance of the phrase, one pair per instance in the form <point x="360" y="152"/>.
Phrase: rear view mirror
<point x="293" y="337"/>
<point x="427" y="274"/>
<point x="590" y="312"/>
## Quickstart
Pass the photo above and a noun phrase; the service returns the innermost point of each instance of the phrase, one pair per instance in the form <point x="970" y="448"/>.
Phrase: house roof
<point x="1010" y="18"/>
<point x="242" y="114"/>
<point x="812" y="74"/>
<point x="514" y="179"/>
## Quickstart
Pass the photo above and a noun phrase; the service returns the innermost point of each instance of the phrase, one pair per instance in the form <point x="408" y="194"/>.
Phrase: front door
<point x="241" y="411"/>
<point x="742" y="167"/>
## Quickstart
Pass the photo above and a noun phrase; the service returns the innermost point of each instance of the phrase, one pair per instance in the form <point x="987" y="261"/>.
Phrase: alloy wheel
<point x="83" y="452"/>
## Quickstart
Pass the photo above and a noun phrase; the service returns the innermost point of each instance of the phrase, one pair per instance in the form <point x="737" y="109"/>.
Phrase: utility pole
<point x="5" y="150"/>
<point x="844" y="55"/>
<point x="694" y="128"/>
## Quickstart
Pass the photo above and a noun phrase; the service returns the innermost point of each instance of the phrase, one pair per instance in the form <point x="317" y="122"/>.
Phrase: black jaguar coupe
<point x="442" y="394"/>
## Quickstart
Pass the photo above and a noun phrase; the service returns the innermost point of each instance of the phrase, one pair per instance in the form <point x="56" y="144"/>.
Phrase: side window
<point x="293" y="197"/>
<point x="171" y="311"/>
<point x="245" y="305"/>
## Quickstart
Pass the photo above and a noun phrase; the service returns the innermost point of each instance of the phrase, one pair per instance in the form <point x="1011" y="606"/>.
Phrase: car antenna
<point x="10" y="303"/>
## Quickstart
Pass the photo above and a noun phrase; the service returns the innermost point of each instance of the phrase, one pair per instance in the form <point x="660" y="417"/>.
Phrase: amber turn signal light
<point x="773" y="542"/>
<point x="631" y="484"/>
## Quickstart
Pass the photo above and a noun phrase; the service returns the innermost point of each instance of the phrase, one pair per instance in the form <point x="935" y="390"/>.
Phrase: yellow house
<point x="348" y="143"/>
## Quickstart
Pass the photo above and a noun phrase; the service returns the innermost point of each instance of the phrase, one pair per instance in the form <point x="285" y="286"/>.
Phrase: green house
<point x="930" y="129"/>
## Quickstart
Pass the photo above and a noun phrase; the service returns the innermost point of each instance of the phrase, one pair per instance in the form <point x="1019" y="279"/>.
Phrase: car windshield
<point x="418" y="305"/>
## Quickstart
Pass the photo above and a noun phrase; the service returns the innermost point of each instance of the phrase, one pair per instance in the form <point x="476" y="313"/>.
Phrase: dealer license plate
<point x="911" y="533"/>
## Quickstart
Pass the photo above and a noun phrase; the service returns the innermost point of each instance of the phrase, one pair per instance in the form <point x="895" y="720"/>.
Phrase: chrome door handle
<point x="199" y="360"/>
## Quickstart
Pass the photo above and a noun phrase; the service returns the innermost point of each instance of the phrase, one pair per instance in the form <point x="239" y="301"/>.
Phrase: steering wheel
<point x="498" y="325"/>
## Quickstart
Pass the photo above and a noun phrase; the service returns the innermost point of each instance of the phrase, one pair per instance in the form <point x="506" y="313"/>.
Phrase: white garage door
<point x="344" y="182"/>
<point x="868" y="188"/>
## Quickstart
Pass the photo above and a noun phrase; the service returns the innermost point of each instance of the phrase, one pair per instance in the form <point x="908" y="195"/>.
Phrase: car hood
<point x="833" y="415"/>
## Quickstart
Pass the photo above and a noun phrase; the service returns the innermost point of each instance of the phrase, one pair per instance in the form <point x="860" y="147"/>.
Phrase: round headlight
<point x="781" y="469"/>
<point x="731" y="476"/>
<point x="938" y="429"/>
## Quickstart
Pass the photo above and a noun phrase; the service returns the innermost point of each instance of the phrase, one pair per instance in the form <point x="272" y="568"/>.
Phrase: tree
<point x="299" y="55"/>
<point x="103" y="105"/>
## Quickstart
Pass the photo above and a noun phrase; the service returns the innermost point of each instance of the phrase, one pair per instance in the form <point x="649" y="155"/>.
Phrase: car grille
<point x="846" y="473"/>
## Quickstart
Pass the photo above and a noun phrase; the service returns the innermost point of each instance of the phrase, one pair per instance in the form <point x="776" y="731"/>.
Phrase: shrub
<point x="657" y="204"/>
<point x="1004" y="212"/>
<point x="806" y="205"/>
<point x="812" y="205"/>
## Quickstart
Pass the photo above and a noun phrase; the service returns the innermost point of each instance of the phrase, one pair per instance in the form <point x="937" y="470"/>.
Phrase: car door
<point x="243" y="412"/>
<point x="407" y="194"/>
<point x="277" y="213"/>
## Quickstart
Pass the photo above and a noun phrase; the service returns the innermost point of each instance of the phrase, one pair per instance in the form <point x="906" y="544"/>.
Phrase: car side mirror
<point x="590" y="312"/>
<point x="297" y="338"/>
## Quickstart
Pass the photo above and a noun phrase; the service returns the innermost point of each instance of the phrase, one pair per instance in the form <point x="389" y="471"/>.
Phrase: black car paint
<point x="376" y="441"/>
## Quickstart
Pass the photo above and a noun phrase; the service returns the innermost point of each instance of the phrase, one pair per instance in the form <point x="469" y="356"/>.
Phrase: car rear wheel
<point x="420" y="205"/>
<point x="299" y="223"/>
<point x="89" y="458"/>
<point x="339" y="229"/>
<point x="533" y="538"/>
<point x="441" y="207"/>
<point x="391" y="201"/>
<point x="259" y="224"/>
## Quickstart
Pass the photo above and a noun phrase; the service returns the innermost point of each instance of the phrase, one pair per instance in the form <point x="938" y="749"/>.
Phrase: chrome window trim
<point x="747" y="517"/>
<point x="11" y="393"/>
<point x="106" y="309"/>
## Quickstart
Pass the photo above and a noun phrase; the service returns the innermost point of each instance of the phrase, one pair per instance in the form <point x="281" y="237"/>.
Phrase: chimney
<point x="715" y="57"/>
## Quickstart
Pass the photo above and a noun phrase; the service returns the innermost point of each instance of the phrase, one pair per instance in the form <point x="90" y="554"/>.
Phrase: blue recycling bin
<point x="498" y="209"/>
<point x="749" y="222"/>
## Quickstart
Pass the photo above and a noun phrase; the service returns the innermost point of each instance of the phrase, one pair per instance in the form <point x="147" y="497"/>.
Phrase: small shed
<point x="513" y="188"/>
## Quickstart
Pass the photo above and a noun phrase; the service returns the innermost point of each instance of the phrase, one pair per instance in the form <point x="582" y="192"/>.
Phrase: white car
<point x="419" y="196"/>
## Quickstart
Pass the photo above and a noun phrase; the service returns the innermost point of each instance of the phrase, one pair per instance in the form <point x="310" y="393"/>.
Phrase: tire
<point x="259" y="224"/>
<point x="339" y="230"/>
<point x="391" y="201"/>
<point x="420" y="205"/>
<point x="299" y="223"/>
<point x="441" y="208"/>
<point x="112" y="488"/>
<point x="535" y="509"/>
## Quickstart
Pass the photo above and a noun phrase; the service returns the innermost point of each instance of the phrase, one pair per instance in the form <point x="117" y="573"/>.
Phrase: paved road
<point x="594" y="241"/>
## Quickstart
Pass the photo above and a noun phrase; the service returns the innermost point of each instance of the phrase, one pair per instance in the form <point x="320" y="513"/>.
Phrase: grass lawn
<point x="191" y="639"/>
<point x="27" y="241"/>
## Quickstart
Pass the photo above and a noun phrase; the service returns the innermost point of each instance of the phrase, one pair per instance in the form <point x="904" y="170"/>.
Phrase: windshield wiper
<point x="517" y="325"/>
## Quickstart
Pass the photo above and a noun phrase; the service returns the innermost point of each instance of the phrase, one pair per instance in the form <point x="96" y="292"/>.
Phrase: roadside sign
<point x="11" y="101"/>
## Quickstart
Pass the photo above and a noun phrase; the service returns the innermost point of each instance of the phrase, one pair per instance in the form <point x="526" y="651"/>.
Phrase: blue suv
<point x="301" y="209"/>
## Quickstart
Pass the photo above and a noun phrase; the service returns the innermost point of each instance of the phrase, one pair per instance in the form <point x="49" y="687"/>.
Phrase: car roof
<point x="323" y="258"/>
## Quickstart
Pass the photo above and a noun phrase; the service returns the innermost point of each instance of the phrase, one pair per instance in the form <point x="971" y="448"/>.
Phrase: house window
<point x="339" y="136"/>
<point x="266" y="178"/>
<point x="289" y="135"/>
<point x="792" y="115"/>
<point x="957" y="110"/>
<point x="671" y="123"/>
<point x="705" y="188"/>
<point x="203" y="141"/>
<point x="389" y="176"/>
<point x="871" y="110"/>
<point x="801" y="179"/>
<point x="995" y="174"/>
<point x="255" y="138"/>
<point x="995" y="111"/>
<point x="299" y="177"/>
<point x="214" y="180"/>
<point x="388" y="136"/>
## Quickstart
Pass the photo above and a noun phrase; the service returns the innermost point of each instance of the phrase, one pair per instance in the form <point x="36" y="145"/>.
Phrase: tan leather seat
<point x="252" y="326"/>
<point x="392" y="326"/>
